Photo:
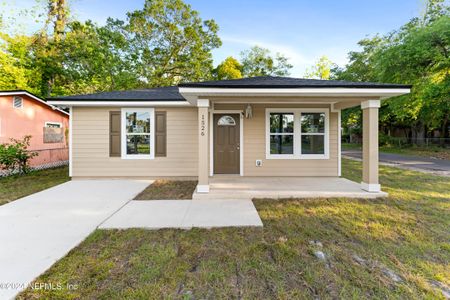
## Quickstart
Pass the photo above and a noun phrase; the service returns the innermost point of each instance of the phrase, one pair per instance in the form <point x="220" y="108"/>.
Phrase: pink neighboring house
<point x="22" y="113"/>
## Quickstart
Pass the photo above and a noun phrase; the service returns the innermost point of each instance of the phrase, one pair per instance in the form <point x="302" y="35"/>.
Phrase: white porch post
<point x="203" y="146"/>
<point x="370" y="146"/>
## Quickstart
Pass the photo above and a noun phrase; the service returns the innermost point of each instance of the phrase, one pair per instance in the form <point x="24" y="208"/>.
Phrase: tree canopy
<point x="417" y="54"/>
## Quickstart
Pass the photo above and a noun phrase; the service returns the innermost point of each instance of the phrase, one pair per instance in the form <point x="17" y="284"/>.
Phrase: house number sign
<point x="202" y="125"/>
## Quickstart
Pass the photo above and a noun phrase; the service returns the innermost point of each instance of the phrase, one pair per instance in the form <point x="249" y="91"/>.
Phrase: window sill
<point x="305" y="156"/>
<point x="137" y="157"/>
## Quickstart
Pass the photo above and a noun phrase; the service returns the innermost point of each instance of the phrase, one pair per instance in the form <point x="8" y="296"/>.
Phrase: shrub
<point x="15" y="156"/>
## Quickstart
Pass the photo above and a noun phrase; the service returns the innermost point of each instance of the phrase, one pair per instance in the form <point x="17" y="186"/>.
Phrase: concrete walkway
<point x="38" y="230"/>
<point x="185" y="214"/>
<point x="416" y="163"/>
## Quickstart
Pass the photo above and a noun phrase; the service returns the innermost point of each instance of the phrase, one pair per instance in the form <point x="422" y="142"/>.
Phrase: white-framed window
<point x="17" y="102"/>
<point x="53" y="124"/>
<point x="137" y="133"/>
<point x="297" y="133"/>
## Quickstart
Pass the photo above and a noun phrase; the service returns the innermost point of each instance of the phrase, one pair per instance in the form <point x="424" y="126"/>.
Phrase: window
<point x="138" y="133"/>
<point x="226" y="121"/>
<point x="313" y="133"/>
<point x="17" y="102"/>
<point x="297" y="133"/>
<point x="281" y="133"/>
<point x="53" y="125"/>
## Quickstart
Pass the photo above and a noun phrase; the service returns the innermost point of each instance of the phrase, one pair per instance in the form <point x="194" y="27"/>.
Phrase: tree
<point x="230" y="68"/>
<point x="13" y="75"/>
<point x="96" y="59"/>
<point x="418" y="54"/>
<point x="258" y="61"/>
<point x="171" y="43"/>
<point x="321" y="69"/>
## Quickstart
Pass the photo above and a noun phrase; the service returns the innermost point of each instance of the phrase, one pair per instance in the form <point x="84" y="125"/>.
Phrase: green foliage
<point x="258" y="61"/>
<point x="164" y="43"/>
<point x="230" y="68"/>
<point x="15" y="155"/>
<point x="171" y="43"/>
<point x="417" y="54"/>
<point x="321" y="69"/>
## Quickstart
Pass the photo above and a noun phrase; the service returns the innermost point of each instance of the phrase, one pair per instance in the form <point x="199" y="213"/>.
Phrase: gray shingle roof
<point x="289" y="82"/>
<point x="171" y="93"/>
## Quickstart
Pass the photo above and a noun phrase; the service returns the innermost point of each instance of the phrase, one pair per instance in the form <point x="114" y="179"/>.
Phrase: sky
<point x="302" y="30"/>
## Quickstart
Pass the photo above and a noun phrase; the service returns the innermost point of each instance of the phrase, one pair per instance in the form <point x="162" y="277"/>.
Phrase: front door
<point x="226" y="143"/>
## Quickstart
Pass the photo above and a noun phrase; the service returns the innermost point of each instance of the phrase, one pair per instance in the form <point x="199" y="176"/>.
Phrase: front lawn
<point x="398" y="247"/>
<point x="17" y="186"/>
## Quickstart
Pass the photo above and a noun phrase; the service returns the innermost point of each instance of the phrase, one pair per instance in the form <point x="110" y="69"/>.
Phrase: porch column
<point x="370" y="146"/>
<point x="203" y="146"/>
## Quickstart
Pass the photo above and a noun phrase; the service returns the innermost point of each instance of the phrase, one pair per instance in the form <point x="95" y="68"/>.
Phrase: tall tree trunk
<point x="57" y="13"/>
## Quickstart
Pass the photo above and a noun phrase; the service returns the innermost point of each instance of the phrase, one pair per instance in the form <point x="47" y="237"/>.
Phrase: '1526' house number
<point x="202" y="126"/>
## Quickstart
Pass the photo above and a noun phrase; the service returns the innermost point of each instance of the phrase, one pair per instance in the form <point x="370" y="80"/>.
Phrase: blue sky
<point x="302" y="30"/>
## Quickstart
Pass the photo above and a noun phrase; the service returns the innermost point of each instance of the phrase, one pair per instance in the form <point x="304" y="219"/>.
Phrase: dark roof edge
<point x="115" y="100"/>
<point x="241" y="86"/>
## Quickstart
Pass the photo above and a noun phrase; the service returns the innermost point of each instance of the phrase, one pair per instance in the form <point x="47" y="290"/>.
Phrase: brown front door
<point x="226" y="143"/>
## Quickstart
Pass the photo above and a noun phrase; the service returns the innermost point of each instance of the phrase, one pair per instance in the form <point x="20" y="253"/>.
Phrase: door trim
<point x="211" y="139"/>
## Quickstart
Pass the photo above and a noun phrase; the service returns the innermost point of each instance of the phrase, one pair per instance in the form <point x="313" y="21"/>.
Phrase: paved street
<point x="423" y="164"/>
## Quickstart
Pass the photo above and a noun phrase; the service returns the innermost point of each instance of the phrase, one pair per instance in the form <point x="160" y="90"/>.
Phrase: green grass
<point x="168" y="189"/>
<point x="17" y="186"/>
<point x="430" y="152"/>
<point x="408" y="232"/>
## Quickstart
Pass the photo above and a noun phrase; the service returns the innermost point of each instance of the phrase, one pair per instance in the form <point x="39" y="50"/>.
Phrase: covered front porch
<point x="238" y="187"/>
<point x="284" y="137"/>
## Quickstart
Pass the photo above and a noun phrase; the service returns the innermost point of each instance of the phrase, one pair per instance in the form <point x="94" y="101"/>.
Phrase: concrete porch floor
<point x="237" y="187"/>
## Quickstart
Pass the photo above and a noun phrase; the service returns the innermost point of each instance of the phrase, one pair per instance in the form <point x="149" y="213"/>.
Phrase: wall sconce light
<point x="249" y="112"/>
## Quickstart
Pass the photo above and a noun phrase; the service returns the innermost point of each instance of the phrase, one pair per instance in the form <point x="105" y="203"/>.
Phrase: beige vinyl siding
<point x="90" y="136"/>
<point x="255" y="146"/>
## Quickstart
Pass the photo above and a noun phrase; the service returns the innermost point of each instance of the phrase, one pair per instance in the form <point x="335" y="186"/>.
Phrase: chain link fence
<point x="46" y="159"/>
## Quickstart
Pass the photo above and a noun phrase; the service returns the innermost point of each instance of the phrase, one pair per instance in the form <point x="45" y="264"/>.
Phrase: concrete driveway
<point x="38" y="230"/>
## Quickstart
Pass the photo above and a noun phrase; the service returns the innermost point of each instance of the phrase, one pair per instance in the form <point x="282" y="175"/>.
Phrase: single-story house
<point x="252" y="127"/>
<point x="23" y="113"/>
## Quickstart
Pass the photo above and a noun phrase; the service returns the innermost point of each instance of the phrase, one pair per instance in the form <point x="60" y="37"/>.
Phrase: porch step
<point x="246" y="195"/>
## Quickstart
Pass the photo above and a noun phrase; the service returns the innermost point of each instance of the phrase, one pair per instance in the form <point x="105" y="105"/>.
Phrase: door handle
<point x="238" y="147"/>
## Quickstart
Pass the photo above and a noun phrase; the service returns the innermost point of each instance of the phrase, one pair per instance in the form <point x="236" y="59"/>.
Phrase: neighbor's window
<point x="313" y="133"/>
<point x="17" y="102"/>
<point x="137" y="133"/>
<point x="53" y="125"/>
<point x="297" y="133"/>
<point x="281" y="133"/>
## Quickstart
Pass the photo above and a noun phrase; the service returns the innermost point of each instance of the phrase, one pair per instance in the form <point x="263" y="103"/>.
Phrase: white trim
<point x="202" y="103"/>
<point x="189" y="92"/>
<point x="370" y="104"/>
<point x="35" y="98"/>
<point x="339" y="144"/>
<point x="50" y="122"/>
<point x="202" y="188"/>
<point x="297" y="134"/>
<point x="211" y="148"/>
<point x="121" y="103"/>
<point x="371" y="187"/>
<point x="241" y="139"/>
<point x="123" y="138"/>
<point x="70" y="141"/>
